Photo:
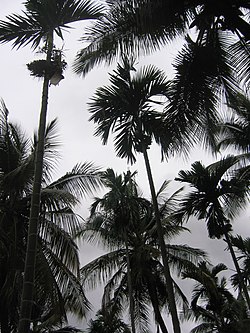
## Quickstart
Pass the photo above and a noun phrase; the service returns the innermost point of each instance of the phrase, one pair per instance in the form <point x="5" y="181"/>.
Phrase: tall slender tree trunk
<point x="130" y="290"/>
<point x="30" y="259"/>
<point x="154" y="300"/>
<point x="169" y="282"/>
<point x="237" y="267"/>
<point x="4" y="321"/>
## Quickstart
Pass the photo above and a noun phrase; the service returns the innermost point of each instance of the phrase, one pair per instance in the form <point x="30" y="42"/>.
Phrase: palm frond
<point x="197" y="89"/>
<point x="203" y="328"/>
<point x="82" y="180"/>
<point x="234" y="130"/>
<point x="241" y="60"/>
<point x="69" y="283"/>
<point x="51" y="153"/>
<point x="61" y="244"/>
<point x="113" y="290"/>
<point x="183" y="257"/>
<point x="52" y="300"/>
<point x="101" y="268"/>
<point x="40" y="18"/>
<point x="64" y="218"/>
<point x="130" y="28"/>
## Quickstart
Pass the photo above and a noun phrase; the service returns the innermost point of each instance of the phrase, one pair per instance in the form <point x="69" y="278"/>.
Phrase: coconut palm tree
<point x="135" y="252"/>
<point x="216" y="197"/>
<point x="107" y="321"/>
<point x="57" y="288"/>
<point x="212" y="303"/>
<point x="41" y="20"/>
<point x="128" y="108"/>
<point x="147" y="25"/>
<point x="120" y="205"/>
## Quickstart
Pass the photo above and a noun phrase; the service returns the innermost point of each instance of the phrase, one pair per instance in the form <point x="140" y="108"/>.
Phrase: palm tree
<point x="40" y="22"/>
<point x="135" y="251"/>
<point x="242" y="247"/>
<point x="107" y="321"/>
<point x="201" y="83"/>
<point x="57" y="288"/>
<point x="216" y="197"/>
<point x="127" y="107"/>
<point x="235" y="132"/>
<point x="213" y="304"/>
<point x="144" y="26"/>
<point x="121" y="212"/>
<point x="64" y="329"/>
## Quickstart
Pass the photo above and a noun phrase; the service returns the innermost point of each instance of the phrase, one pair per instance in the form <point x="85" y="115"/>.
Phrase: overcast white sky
<point x="68" y="102"/>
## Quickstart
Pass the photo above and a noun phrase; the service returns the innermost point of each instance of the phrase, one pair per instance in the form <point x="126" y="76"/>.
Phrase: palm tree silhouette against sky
<point x="40" y="21"/>
<point x="201" y="83"/>
<point x="57" y="287"/>
<point x="144" y="269"/>
<point x="121" y="210"/>
<point x="213" y="305"/>
<point x="216" y="197"/>
<point x="141" y="27"/>
<point x="128" y="108"/>
<point x="242" y="247"/>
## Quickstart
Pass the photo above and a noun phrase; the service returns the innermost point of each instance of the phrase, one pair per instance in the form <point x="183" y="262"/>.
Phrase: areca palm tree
<point x="134" y="256"/>
<point x="40" y="21"/>
<point x="212" y="303"/>
<point x="128" y="108"/>
<point x="216" y="197"/>
<point x="242" y="247"/>
<point x="57" y="288"/>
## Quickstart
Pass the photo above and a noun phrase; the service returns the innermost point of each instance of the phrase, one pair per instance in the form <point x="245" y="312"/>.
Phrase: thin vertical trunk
<point x="30" y="260"/>
<point x="130" y="290"/>
<point x="169" y="282"/>
<point x="154" y="300"/>
<point x="4" y="321"/>
<point x="237" y="267"/>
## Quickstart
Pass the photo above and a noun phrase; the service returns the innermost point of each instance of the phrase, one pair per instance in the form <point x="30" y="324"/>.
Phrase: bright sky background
<point x="68" y="102"/>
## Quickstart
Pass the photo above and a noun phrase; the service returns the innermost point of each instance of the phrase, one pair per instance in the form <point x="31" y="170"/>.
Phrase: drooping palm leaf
<point x="82" y="180"/>
<point x="198" y="89"/>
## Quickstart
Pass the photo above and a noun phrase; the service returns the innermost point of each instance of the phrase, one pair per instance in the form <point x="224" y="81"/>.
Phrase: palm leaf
<point x="61" y="244"/>
<point x="70" y="285"/>
<point x="197" y="89"/>
<point x="130" y="28"/>
<point x="83" y="179"/>
<point x="241" y="60"/>
<point x="101" y="268"/>
<point x="32" y="26"/>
